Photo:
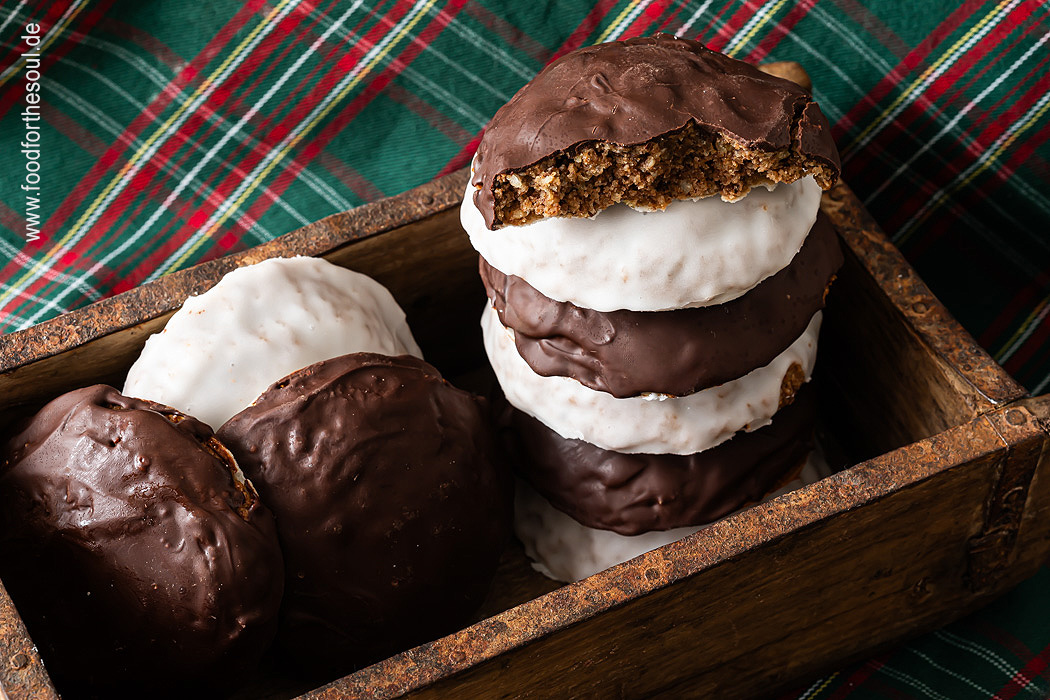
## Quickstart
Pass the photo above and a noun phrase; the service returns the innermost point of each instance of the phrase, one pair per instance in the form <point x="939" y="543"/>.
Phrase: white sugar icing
<point x="694" y="253"/>
<point x="260" y="323"/>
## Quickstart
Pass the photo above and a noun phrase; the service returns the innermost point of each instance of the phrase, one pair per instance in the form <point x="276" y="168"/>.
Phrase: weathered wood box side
<point x="946" y="501"/>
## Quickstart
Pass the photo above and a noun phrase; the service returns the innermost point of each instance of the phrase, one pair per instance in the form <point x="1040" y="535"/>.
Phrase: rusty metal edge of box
<point x="914" y="300"/>
<point x="22" y="674"/>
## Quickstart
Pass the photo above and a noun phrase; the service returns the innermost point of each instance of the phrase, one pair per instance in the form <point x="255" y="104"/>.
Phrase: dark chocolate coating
<point x="629" y="92"/>
<point x="627" y="353"/>
<point x="635" y="493"/>
<point x="390" y="507"/>
<point x="140" y="565"/>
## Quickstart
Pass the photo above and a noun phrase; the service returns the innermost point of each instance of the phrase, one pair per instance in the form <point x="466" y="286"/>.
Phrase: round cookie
<point x="644" y="122"/>
<point x="258" y="324"/>
<point x="693" y="253"/>
<point x="634" y="493"/>
<point x="135" y="550"/>
<point x="650" y="423"/>
<point x="390" y="507"/>
<point x="563" y="549"/>
<point x="628" y="353"/>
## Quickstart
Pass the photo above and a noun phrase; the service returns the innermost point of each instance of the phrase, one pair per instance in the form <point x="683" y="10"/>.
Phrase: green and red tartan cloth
<point x="138" y="138"/>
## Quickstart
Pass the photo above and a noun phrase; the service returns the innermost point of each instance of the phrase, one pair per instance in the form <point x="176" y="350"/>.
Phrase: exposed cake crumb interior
<point x="688" y="163"/>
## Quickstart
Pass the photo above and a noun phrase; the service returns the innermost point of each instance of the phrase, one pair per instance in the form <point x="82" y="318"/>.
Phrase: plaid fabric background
<point x="170" y="132"/>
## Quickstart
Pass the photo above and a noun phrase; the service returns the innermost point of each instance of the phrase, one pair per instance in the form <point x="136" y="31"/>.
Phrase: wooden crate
<point x="945" y="501"/>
